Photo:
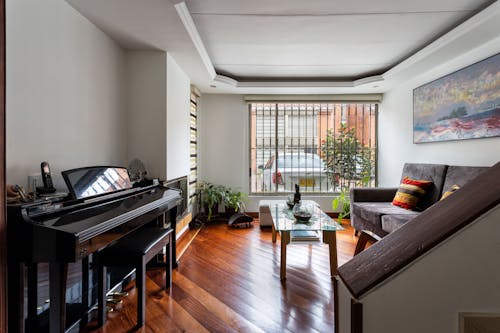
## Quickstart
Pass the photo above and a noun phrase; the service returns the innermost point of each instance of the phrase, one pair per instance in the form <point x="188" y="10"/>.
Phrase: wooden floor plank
<point x="228" y="281"/>
<point x="254" y="281"/>
<point x="217" y="308"/>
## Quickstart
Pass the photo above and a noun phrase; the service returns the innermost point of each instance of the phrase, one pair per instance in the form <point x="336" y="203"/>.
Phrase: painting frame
<point x="461" y="105"/>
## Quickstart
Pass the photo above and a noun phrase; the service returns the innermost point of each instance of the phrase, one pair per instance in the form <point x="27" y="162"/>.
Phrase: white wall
<point x="64" y="91"/>
<point x="223" y="140"/>
<point x="178" y="94"/>
<point x="224" y="147"/>
<point x="158" y="93"/>
<point x="146" y="108"/>
<point x="460" y="275"/>
<point x="396" y="126"/>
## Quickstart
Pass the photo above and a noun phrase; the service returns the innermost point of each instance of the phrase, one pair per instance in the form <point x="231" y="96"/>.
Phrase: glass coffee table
<point x="319" y="227"/>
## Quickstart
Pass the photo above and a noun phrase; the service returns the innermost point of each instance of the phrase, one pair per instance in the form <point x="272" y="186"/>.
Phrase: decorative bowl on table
<point x="301" y="213"/>
<point x="302" y="216"/>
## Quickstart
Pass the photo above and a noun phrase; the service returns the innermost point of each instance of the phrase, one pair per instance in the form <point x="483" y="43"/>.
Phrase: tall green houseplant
<point x="348" y="163"/>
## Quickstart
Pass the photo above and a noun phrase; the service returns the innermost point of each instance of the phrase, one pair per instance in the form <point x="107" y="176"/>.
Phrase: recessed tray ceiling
<point x="320" y="38"/>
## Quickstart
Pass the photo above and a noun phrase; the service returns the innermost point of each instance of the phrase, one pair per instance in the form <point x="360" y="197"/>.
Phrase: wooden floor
<point x="228" y="281"/>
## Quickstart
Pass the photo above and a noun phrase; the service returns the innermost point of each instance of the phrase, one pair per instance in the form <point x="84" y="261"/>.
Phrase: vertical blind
<point x="193" y="149"/>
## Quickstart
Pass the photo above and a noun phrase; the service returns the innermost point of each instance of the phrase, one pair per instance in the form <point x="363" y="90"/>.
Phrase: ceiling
<point x="285" y="46"/>
<point x="320" y="38"/>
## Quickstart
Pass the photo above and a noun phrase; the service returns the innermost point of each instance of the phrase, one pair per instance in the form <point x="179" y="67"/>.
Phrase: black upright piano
<point x="102" y="208"/>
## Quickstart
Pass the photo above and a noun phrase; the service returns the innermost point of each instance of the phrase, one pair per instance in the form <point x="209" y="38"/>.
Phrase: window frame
<point x="275" y="160"/>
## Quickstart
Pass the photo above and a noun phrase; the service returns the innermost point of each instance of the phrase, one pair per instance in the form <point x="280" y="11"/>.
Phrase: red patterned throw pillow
<point x="410" y="192"/>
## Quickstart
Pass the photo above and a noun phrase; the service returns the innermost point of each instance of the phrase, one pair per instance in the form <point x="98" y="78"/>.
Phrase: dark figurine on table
<point x="296" y="196"/>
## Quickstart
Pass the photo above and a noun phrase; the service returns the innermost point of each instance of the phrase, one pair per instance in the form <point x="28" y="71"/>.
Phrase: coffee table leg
<point x="285" y="239"/>
<point x="330" y="238"/>
<point x="274" y="233"/>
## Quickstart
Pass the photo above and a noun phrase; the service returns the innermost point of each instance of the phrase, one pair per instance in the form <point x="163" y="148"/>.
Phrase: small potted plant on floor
<point x="234" y="201"/>
<point x="211" y="196"/>
<point x="342" y="202"/>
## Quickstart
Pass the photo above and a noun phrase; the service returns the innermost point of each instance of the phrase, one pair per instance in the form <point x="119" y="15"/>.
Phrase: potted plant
<point x="234" y="201"/>
<point x="342" y="201"/>
<point x="211" y="196"/>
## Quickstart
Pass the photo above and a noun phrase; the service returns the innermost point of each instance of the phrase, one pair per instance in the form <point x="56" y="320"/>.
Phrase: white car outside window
<point x="305" y="169"/>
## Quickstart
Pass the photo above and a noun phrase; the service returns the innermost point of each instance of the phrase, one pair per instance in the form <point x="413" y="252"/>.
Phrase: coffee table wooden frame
<point x="329" y="237"/>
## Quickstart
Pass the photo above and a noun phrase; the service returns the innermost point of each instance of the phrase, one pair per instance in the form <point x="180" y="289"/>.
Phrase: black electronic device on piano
<point x="104" y="207"/>
<point x="48" y="186"/>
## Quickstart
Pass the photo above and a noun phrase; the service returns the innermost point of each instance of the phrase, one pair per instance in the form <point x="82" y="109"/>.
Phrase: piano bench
<point x="135" y="249"/>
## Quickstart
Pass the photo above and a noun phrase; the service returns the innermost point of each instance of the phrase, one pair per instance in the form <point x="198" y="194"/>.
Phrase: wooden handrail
<point x="401" y="247"/>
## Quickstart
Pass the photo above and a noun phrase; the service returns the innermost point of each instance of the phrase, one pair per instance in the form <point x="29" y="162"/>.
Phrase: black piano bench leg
<point x="168" y="264"/>
<point x="141" y="291"/>
<point x="101" y="302"/>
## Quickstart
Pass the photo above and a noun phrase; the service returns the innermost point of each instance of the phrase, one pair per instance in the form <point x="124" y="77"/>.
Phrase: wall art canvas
<point x="461" y="105"/>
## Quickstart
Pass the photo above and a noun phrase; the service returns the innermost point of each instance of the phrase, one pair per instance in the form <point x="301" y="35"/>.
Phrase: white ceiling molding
<point x="368" y="80"/>
<point x="311" y="84"/>
<point x="472" y="23"/>
<point x="226" y="80"/>
<point x="371" y="98"/>
<point x="188" y="23"/>
<point x="190" y="26"/>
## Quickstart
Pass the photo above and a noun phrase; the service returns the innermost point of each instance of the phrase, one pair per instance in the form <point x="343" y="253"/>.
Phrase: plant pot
<point x="214" y="212"/>
<point x="230" y="211"/>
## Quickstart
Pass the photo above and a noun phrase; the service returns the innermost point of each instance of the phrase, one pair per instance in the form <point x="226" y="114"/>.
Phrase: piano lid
<point x="91" y="221"/>
<point x="88" y="182"/>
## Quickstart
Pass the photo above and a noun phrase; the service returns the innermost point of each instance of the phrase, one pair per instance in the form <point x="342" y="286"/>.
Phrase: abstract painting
<point x="461" y="105"/>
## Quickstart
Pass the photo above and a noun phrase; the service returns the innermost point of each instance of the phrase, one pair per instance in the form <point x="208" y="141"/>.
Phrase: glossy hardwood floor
<point x="228" y="281"/>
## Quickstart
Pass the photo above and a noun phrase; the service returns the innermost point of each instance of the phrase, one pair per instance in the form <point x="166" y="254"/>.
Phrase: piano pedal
<point x="114" y="300"/>
<point x="119" y="294"/>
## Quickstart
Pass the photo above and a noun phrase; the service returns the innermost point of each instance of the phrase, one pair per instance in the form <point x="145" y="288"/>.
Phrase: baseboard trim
<point x="181" y="232"/>
<point x="192" y="235"/>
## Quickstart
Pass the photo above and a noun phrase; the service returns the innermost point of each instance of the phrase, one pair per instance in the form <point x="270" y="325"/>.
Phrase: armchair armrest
<point x="379" y="194"/>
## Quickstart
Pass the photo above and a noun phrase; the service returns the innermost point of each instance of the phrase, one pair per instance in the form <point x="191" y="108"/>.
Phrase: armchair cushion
<point x="372" y="211"/>
<point x="460" y="175"/>
<point x="393" y="222"/>
<point x="379" y="194"/>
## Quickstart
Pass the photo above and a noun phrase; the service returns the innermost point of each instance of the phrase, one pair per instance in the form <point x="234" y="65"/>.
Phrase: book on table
<point x="304" y="235"/>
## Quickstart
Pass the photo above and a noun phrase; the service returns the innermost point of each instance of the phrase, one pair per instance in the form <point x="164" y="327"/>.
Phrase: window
<point x="323" y="147"/>
<point x="193" y="149"/>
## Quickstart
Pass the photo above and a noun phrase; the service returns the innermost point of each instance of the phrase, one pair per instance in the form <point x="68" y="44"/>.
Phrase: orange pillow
<point x="450" y="191"/>
<point x="410" y="192"/>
